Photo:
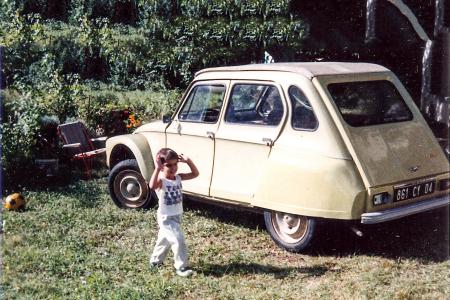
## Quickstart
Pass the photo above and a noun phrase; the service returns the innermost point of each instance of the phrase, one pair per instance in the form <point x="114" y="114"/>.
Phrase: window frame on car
<point x="397" y="92"/>
<point x="192" y="90"/>
<point x="293" y="110"/>
<point x="267" y="84"/>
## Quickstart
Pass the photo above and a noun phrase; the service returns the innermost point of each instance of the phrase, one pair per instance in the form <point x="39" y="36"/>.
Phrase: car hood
<point x="154" y="126"/>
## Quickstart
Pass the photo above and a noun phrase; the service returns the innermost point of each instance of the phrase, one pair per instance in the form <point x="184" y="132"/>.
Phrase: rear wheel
<point x="127" y="187"/>
<point x="292" y="232"/>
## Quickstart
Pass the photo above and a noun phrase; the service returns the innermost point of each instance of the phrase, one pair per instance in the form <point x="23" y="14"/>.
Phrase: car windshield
<point x="366" y="103"/>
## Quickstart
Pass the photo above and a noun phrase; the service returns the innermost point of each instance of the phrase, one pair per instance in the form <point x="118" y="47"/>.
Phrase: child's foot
<point x="184" y="272"/>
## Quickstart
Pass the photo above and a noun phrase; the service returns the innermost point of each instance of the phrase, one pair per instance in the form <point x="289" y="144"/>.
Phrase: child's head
<point x="169" y="159"/>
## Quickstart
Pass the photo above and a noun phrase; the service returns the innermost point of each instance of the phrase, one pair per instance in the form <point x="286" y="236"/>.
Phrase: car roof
<point x="307" y="69"/>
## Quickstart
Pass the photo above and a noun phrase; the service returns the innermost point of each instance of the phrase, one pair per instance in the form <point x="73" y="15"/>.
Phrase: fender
<point x="299" y="186"/>
<point x="140" y="148"/>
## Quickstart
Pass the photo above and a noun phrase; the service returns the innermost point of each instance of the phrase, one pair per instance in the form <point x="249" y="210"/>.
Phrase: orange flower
<point x="133" y="121"/>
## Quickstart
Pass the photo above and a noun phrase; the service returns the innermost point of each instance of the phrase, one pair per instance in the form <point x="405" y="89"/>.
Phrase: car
<point x="303" y="142"/>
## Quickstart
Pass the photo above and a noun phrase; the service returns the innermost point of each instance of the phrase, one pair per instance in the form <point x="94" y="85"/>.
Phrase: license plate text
<point x="414" y="190"/>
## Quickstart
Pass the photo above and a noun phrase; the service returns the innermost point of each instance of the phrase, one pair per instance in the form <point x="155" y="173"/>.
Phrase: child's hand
<point x="194" y="171"/>
<point x="158" y="163"/>
<point x="183" y="158"/>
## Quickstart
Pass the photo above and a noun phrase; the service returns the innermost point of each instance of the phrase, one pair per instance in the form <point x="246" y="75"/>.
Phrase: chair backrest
<point x="76" y="132"/>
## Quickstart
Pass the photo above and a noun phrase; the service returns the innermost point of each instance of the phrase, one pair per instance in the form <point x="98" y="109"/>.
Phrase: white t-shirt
<point x="170" y="197"/>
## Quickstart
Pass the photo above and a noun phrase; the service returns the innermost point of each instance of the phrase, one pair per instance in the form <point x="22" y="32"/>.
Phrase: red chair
<point x="79" y="145"/>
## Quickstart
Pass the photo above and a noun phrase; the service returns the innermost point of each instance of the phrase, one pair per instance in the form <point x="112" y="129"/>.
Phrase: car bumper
<point x="403" y="211"/>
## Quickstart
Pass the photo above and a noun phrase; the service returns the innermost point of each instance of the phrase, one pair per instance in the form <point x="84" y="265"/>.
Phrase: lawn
<point x="73" y="243"/>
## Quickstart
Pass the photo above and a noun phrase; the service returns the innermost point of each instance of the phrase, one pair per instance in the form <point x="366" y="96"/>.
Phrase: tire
<point x="291" y="232"/>
<point x="127" y="188"/>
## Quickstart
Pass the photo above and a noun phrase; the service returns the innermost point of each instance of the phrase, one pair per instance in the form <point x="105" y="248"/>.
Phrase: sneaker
<point x="184" y="272"/>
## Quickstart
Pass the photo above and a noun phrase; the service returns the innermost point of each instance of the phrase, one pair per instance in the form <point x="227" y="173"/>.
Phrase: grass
<point x="73" y="243"/>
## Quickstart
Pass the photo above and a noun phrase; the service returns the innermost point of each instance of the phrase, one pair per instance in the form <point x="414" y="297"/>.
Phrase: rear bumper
<point x="403" y="211"/>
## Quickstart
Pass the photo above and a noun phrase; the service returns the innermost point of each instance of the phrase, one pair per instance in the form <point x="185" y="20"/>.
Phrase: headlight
<point x="382" y="198"/>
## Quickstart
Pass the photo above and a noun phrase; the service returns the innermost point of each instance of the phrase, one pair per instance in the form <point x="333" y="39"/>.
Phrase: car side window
<point x="203" y="104"/>
<point x="303" y="117"/>
<point x="255" y="104"/>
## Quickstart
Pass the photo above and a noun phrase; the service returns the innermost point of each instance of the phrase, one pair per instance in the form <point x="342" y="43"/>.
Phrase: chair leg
<point x="87" y="161"/>
<point x="87" y="164"/>
<point x="90" y="163"/>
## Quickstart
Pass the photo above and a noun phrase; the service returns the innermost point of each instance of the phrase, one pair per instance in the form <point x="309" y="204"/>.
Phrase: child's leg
<point x="178" y="242"/>
<point x="161" y="248"/>
<point x="162" y="244"/>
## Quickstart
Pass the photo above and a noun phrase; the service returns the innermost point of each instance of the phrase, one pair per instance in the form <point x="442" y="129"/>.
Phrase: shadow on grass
<point x="79" y="193"/>
<point x="225" y="214"/>
<point x="38" y="179"/>
<point x="88" y="194"/>
<point x="253" y="268"/>
<point x="423" y="236"/>
<point x="72" y="182"/>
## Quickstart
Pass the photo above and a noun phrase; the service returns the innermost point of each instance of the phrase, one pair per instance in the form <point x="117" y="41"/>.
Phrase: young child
<point x="167" y="185"/>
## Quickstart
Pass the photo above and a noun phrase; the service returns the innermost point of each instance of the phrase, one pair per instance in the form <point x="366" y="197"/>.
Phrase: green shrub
<point x="151" y="104"/>
<point x="29" y="120"/>
<point x="131" y="43"/>
<point x="20" y="129"/>
<point x="101" y="105"/>
<point x="92" y="60"/>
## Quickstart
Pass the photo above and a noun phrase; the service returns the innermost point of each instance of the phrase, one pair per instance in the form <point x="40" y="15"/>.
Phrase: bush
<point x="20" y="129"/>
<point x="130" y="43"/>
<point x="29" y="120"/>
<point x="104" y="107"/>
<point x="110" y="62"/>
<point x="47" y="141"/>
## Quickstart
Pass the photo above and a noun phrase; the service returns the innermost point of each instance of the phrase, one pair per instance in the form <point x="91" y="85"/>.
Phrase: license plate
<point x="410" y="191"/>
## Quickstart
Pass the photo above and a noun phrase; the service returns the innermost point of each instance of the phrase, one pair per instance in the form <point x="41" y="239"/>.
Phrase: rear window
<point x="366" y="103"/>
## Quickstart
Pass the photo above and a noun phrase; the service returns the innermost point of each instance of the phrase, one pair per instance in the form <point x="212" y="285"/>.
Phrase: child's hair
<point x="166" y="154"/>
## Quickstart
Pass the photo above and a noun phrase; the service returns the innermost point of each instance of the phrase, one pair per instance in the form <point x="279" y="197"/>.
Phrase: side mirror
<point x="167" y="119"/>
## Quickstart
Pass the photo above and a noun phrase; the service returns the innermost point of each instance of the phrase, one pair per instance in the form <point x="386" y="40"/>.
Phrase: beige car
<point x="300" y="141"/>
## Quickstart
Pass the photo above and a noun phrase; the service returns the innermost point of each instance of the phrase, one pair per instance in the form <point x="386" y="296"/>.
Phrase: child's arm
<point x="155" y="181"/>
<point x="194" y="172"/>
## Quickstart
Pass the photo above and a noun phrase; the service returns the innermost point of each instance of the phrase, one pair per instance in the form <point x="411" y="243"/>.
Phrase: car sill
<point x="219" y="201"/>
<point x="403" y="211"/>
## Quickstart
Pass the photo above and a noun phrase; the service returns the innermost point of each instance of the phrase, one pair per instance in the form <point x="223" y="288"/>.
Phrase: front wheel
<point x="127" y="187"/>
<point x="292" y="232"/>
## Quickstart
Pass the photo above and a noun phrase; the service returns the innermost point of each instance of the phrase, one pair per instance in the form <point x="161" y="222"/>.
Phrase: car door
<point x="192" y="131"/>
<point x="252" y="122"/>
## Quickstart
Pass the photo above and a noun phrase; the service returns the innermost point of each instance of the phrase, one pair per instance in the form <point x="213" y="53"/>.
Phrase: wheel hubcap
<point x="131" y="188"/>
<point x="290" y="224"/>
<point x="290" y="228"/>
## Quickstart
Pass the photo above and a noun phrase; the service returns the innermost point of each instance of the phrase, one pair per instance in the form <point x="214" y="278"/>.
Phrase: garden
<point x="93" y="61"/>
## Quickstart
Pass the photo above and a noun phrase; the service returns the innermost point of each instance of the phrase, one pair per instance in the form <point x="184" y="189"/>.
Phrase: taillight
<point x="382" y="198"/>
<point x="444" y="184"/>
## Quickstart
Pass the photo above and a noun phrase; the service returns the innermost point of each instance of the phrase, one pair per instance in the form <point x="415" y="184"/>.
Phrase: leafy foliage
<point x="90" y="59"/>
<point x="169" y="39"/>
<point x="20" y="128"/>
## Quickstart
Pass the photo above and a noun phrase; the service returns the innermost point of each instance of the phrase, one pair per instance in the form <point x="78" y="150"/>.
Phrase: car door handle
<point x="268" y="141"/>
<point x="178" y="128"/>
<point x="210" y="134"/>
